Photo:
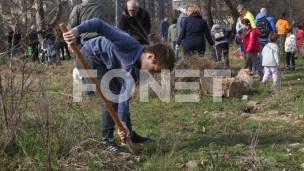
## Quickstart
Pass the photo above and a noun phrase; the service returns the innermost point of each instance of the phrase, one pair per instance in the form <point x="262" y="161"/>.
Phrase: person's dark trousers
<point x="61" y="47"/>
<point x="290" y="61"/>
<point x="107" y="123"/>
<point x="253" y="56"/>
<point x="35" y="52"/>
<point x="194" y="44"/>
<point x="64" y="46"/>
<point x="248" y="62"/>
<point x="263" y="43"/>
<point x="223" y="48"/>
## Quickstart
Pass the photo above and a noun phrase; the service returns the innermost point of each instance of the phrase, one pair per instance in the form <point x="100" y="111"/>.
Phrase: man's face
<point x="132" y="10"/>
<point x="242" y="11"/>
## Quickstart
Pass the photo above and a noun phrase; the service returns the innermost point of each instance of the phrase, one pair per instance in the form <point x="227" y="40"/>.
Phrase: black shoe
<point x="136" y="139"/>
<point x="109" y="146"/>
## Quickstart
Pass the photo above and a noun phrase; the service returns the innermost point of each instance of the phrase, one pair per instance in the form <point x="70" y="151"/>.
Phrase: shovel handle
<point x="94" y="81"/>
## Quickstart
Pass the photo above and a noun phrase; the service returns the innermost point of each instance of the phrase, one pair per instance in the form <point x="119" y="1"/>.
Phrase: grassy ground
<point x="55" y="133"/>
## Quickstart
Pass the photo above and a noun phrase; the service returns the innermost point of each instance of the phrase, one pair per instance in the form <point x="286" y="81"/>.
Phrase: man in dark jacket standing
<point x="13" y="40"/>
<point x="136" y="21"/>
<point x="34" y="42"/>
<point x="163" y="28"/>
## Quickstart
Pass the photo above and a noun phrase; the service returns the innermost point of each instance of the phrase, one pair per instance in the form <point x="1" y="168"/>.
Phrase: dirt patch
<point x="271" y="115"/>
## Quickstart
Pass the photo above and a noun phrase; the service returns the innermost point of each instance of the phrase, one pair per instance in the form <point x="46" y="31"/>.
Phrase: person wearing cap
<point x="34" y="42"/>
<point x="181" y="19"/>
<point x="242" y="9"/>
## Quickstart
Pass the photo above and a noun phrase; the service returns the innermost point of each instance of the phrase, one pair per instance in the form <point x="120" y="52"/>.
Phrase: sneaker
<point x="287" y="68"/>
<point x="110" y="146"/>
<point x="136" y="139"/>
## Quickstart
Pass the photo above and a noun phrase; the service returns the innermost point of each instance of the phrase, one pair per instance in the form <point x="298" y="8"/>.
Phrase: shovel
<point x="94" y="81"/>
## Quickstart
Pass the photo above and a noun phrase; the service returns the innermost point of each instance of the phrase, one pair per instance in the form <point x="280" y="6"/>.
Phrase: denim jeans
<point x="107" y="123"/>
<point x="86" y="82"/>
<point x="173" y="43"/>
<point x="263" y="43"/>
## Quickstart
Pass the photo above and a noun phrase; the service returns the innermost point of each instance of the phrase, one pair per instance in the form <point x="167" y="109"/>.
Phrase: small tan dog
<point x="245" y="76"/>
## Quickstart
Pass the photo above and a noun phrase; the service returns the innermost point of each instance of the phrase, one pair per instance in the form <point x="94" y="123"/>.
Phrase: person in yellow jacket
<point x="242" y="9"/>
<point x="282" y="25"/>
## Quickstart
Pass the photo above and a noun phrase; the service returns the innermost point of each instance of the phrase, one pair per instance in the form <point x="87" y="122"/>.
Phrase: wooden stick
<point x="93" y="81"/>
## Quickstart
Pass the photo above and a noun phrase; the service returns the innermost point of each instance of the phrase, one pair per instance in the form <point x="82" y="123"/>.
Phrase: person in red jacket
<point x="299" y="40"/>
<point x="252" y="44"/>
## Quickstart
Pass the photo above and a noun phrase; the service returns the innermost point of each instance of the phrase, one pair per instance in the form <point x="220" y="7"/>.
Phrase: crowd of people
<point x="265" y="42"/>
<point x="129" y="46"/>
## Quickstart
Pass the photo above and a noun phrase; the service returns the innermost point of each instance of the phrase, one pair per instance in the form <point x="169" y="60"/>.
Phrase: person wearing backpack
<point x="265" y="24"/>
<point x="219" y="35"/>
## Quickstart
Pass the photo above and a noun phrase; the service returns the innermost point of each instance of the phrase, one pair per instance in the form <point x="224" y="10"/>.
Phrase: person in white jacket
<point x="271" y="61"/>
<point x="290" y="46"/>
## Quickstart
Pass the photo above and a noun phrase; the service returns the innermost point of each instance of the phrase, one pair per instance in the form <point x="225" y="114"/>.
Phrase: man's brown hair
<point x="164" y="55"/>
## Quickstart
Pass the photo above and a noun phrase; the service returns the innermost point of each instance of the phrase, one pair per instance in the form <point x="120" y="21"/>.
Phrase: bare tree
<point x="206" y="11"/>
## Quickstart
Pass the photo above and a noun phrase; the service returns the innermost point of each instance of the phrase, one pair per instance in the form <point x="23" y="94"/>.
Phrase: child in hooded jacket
<point x="251" y="43"/>
<point x="290" y="46"/>
<point x="270" y="60"/>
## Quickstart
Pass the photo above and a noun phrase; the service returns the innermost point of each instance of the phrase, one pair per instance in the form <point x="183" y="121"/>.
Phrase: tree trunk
<point x="235" y="14"/>
<point x="40" y="17"/>
<point x="39" y="14"/>
<point x="58" y="13"/>
<point x="206" y="11"/>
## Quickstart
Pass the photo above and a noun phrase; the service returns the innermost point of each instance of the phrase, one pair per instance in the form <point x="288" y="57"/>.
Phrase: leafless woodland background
<point x="58" y="11"/>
